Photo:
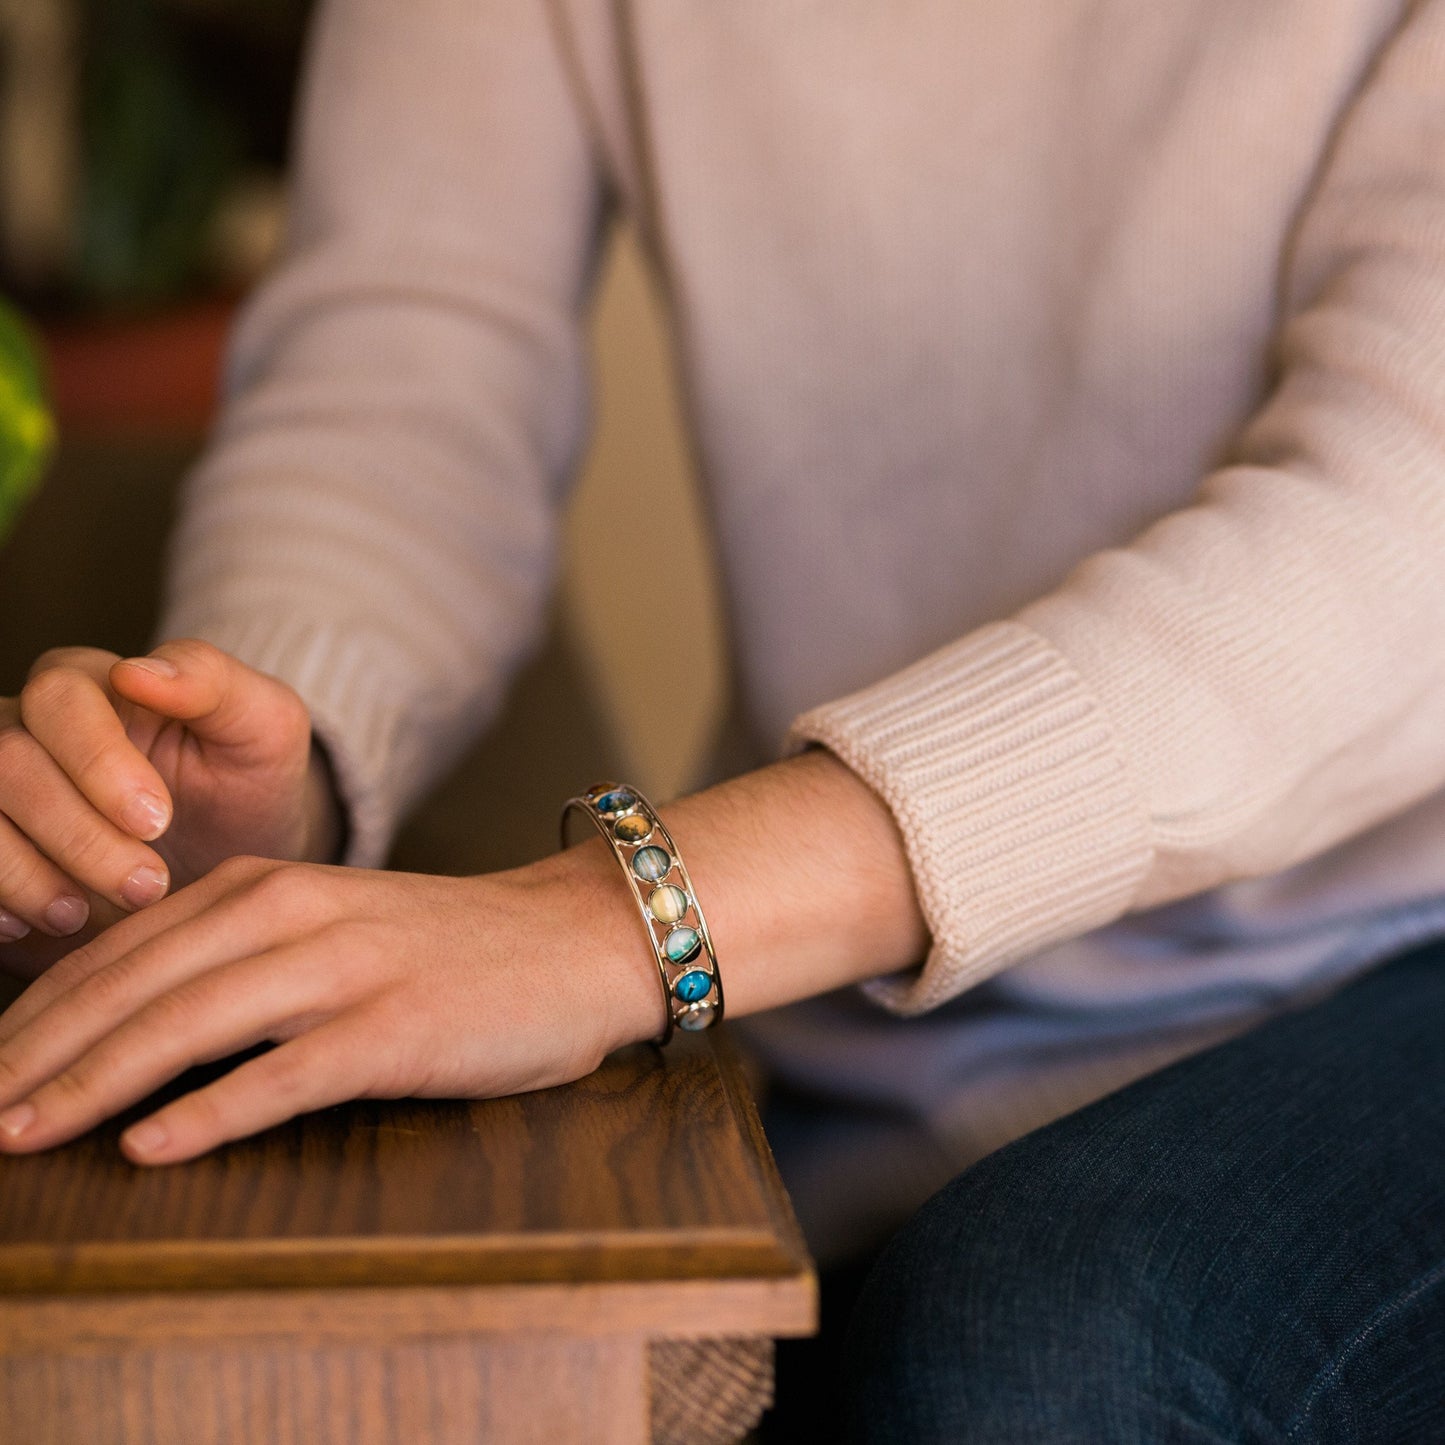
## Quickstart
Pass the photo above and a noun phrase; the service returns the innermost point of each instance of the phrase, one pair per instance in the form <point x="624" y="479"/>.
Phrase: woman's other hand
<point x="120" y="778"/>
<point x="372" y="984"/>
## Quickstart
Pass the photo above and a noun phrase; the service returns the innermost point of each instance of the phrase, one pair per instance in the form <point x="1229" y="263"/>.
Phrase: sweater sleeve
<point x="375" y="519"/>
<point x="1255" y="677"/>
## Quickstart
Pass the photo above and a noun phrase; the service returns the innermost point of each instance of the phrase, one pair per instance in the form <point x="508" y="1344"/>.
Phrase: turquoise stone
<point x="651" y="863"/>
<point x="699" y="1016"/>
<point x="682" y="944"/>
<point x="693" y="986"/>
<point x="619" y="800"/>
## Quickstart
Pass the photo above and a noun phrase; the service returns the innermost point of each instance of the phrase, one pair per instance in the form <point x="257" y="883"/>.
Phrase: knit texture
<point x="1068" y="384"/>
<point x="1021" y="822"/>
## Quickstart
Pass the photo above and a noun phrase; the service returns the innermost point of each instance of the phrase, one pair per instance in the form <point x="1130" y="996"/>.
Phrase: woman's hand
<point x="375" y="985"/>
<point x="120" y="778"/>
<point x="392" y="984"/>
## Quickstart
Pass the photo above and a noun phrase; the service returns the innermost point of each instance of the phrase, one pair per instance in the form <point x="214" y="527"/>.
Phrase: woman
<point x="1069" y="384"/>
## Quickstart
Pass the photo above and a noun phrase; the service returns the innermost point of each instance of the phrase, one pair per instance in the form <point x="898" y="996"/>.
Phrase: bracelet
<point x="686" y="963"/>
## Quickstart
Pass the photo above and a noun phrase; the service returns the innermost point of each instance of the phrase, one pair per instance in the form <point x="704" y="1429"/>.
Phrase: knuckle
<point x="288" y="1076"/>
<point x="177" y="1010"/>
<point x="91" y="761"/>
<point x="18" y="750"/>
<point x="61" y="976"/>
<point x="47" y="693"/>
<point x="78" y="658"/>
<point x="396" y="1061"/>
<point x="287" y="889"/>
<point x="73" y="1085"/>
<point x="108" y="988"/>
<point x="24" y="876"/>
<point x="391" y="1078"/>
<point x="81" y="844"/>
<point x="238" y="868"/>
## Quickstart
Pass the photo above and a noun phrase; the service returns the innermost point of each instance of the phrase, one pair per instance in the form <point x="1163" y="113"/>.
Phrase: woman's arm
<point x="801" y="870"/>
<point x="388" y="984"/>
<point x="1257" y="676"/>
<point x="375" y="520"/>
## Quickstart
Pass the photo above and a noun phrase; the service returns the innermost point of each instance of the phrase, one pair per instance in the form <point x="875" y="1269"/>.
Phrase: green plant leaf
<point x="27" y="432"/>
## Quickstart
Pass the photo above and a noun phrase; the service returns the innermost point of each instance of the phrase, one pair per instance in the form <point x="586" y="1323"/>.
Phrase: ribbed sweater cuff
<point x="355" y="712"/>
<point x="1020" y="821"/>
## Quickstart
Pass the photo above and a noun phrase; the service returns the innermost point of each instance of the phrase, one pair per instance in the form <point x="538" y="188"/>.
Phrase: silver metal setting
<point x="708" y="1010"/>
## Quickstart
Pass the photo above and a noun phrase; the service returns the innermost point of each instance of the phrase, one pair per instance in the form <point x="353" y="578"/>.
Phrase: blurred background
<point x="142" y="152"/>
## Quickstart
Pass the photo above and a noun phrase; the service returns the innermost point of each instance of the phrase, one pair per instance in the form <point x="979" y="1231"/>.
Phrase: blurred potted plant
<point x="27" y="433"/>
<point x="173" y="130"/>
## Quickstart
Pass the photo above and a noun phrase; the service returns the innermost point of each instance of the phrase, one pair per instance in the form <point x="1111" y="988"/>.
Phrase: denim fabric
<point x="1248" y="1246"/>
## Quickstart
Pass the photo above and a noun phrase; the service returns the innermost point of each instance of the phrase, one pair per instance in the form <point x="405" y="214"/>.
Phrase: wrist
<point x="583" y="889"/>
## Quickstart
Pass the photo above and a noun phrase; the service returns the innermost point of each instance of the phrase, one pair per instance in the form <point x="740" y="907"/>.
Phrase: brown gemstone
<point x="634" y="828"/>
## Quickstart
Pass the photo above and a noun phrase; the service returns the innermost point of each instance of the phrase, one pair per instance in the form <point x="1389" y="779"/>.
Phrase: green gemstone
<point x="681" y="944"/>
<point x="651" y="864"/>
<point x="668" y="903"/>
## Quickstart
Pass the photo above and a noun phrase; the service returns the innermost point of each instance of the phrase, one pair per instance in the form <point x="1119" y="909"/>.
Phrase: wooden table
<point x="604" y="1262"/>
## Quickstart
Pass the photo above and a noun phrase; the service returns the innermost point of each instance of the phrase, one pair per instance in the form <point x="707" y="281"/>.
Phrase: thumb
<point x="223" y="701"/>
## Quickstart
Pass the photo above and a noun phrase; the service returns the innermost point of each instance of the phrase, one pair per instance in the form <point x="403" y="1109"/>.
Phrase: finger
<point x="126" y="937"/>
<point x="12" y="929"/>
<point x="34" y="892"/>
<point x="91" y="660"/>
<point x="37" y="952"/>
<point x="224" y="1010"/>
<point x="332" y="1063"/>
<point x="47" y="807"/>
<point x="208" y="934"/>
<point x="68" y="709"/>
<point x="222" y="700"/>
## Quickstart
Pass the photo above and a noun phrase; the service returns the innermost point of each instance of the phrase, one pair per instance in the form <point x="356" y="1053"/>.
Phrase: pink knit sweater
<point x="1069" y="385"/>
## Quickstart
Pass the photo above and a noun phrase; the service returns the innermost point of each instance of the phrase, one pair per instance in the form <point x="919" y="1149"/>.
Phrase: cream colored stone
<point x="667" y="904"/>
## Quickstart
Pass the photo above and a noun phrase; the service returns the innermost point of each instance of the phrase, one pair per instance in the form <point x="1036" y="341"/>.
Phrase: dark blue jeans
<point x="1246" y="1247"/>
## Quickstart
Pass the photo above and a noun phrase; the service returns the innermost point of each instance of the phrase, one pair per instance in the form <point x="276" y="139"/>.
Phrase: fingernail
<point x="67" y="915"/>
<point x="144" y="886"/>
<point x="157" y="665"/>
<point x="143" y="1138"/>
<point x="16" y="1120"/>
<point x="146" y="816"/>
<point x="11" y="928"/>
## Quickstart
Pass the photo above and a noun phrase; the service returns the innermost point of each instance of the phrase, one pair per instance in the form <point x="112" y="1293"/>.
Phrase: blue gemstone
<point x="619" y="800"/>
<point x="681" y="944"/>
<point x="693" y="986"/>
<point x="651" y="863"/>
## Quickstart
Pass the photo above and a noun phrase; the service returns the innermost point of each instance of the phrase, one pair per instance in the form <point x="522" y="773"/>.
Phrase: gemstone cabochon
<point x="698" y="1016"/>
<point x="693" y="986"/>
<point x="651" y="864"/>
<point x="634" y="828"/>
<point x="667" y="904"/>
<point x="682" y="944"/>
<point x="619" y="800"/>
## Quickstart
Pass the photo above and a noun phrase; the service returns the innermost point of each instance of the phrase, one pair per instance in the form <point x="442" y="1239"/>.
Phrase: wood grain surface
<point x="515" y="1391"/>
<point x="603" y="1262"/>
<point x="651" y="1168"/>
